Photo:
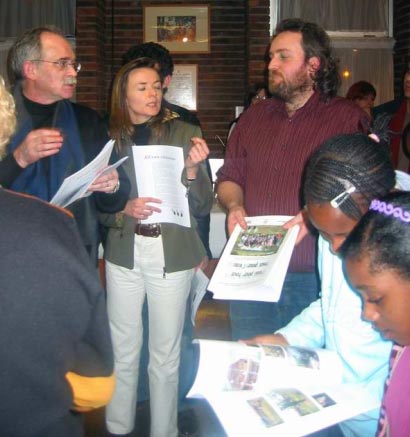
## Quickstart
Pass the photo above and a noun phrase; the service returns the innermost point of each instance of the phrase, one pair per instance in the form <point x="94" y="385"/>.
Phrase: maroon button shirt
<point x="267" y="152"/>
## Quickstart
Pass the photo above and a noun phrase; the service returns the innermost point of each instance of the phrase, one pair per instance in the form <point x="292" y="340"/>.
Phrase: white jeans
<point x="167" y="294"/>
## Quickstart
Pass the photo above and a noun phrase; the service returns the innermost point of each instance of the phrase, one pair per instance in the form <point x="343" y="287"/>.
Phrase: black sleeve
<point x="9" y="170"/>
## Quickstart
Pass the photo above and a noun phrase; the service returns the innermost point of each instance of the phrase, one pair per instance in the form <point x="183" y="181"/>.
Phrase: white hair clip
<point x="341" y="198"/>
<point x="374" y="137"/>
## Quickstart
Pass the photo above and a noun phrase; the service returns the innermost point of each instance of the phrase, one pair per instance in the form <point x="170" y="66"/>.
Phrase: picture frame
<point x="183" y="89"/>
<point x="179" y="28"/>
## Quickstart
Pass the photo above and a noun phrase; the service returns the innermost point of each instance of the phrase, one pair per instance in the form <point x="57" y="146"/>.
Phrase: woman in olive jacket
<point x="153" y="260"/>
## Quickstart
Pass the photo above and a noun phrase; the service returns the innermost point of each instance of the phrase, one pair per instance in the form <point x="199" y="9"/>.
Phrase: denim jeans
<point x="250" y="318"/>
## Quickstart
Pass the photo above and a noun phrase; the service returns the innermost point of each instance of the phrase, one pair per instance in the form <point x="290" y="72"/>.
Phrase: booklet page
<point x="254" y="262"/>
<point x="274" y="390"/>
<point x="158" y="170"/>
<point x="76" y="186"/>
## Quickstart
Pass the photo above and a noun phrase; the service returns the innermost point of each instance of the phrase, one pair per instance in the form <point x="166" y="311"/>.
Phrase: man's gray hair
<point x="25" y="48"/>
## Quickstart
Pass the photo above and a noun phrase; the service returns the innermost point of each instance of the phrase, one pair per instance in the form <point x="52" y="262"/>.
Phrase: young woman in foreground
<point x="377" y="260"/>
<point x="342" y="178"/>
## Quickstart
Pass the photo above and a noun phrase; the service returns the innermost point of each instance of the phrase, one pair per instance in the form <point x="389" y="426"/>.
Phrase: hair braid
<point x="347" y="160"/>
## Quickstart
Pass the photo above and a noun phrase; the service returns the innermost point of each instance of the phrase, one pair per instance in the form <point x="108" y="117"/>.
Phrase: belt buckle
<point x="154" y="230"/>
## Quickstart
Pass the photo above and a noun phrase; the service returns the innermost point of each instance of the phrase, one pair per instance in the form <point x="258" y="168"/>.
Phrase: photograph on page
<point x="254" y="262"/>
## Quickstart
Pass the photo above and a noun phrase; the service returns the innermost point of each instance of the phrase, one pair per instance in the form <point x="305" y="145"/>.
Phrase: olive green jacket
<point x="182" y="246"/>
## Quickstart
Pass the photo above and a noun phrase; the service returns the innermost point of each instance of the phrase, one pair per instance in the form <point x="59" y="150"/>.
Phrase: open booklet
<point x="76" y="186"/>
<point x="254" y="262"/>
<point x="274" y="390"/>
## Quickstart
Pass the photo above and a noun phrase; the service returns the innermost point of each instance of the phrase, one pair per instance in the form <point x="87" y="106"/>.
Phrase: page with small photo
<point x="254" y="262"/>
<point x="287" y="412"/>
<point x="275" y="390"/>
<point x="237" y="366"/>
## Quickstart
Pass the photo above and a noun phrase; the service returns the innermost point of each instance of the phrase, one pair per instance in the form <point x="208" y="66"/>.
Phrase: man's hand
<point x="301" y="220"/>
<point x="139" y="208"/>
<point x="230" y="196"/>
<point x="106" y="184"/>
<point x="197" y="153"/>
<point x="236" y="215"/>
<point x="277" y="339"/>
<point x="38" y="144"/>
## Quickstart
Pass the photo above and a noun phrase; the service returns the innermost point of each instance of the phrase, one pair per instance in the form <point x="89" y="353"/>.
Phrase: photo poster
<point x="182" y="90"/>
<point x="176" y="28"/>
<point x="275" y="390"/>
<point x="158" y="171"/>
<point x="179" y="28"/>
<point x="254" y="262"/>
<point x="236" y="366"/>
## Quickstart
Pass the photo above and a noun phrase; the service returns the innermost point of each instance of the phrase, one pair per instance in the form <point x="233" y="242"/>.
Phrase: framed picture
<point x="184" y="86"/>
<point x="180" y="28"/>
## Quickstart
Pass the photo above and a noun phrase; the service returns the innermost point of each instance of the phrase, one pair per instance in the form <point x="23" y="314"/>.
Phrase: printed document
<point x="76" y="186"/>
<point x="278" y="391"/>
<point x="254" y="262"/>
<point x="158" y="170"/>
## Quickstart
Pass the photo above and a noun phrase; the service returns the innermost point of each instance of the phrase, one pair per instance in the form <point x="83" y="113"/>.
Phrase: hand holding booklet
<point x="254" y="262"/>
<point x="274" y="390"/>
<point x="76" y="186"/>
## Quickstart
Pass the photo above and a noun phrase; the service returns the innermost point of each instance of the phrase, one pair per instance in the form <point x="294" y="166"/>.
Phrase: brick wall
<point x="258" y="40"/>
<point x="239" y="38"/>
<point x="401" y="25"/>
<point x="90" y="48"/>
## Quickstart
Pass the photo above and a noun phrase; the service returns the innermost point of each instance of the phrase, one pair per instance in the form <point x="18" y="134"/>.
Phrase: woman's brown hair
<point x="121" y="127"/>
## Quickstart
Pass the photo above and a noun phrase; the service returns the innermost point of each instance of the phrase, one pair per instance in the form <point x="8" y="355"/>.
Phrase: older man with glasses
<point x="56" y="137"/>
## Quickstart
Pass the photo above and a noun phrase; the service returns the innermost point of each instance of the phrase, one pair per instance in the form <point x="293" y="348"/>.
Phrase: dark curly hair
<point x="316" y="43"/>
<point x="383" y="238"/>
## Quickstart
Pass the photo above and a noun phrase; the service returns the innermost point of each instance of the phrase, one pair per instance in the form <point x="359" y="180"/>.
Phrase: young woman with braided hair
<point x="377" y="259"/>
<point x="342" y="177"/>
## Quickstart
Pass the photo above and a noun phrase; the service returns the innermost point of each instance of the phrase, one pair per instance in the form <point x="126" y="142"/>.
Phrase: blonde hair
<point x="7" y="116"/>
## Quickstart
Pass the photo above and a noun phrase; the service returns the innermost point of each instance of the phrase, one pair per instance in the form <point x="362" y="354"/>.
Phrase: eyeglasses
<point x="258" y="97"/>
<point x="63" y="64"/>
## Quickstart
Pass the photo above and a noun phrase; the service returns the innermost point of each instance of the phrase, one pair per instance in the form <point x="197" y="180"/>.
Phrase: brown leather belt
<point x="152" y="230"/>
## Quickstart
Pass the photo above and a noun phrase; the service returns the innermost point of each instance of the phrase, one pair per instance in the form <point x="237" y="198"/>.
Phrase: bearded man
<point x="267" y="152"/>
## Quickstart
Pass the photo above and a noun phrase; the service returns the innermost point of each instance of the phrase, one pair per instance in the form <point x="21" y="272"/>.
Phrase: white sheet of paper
<point x="158" y="171"/>
<point x="276" y="391"/>
<point x="75" y="186"/>
<point x="199" y="285"/>
<point x="254" y="262"/>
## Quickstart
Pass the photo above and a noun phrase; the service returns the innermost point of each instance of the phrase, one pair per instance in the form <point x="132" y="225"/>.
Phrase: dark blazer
<point x="93" y="134"/>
